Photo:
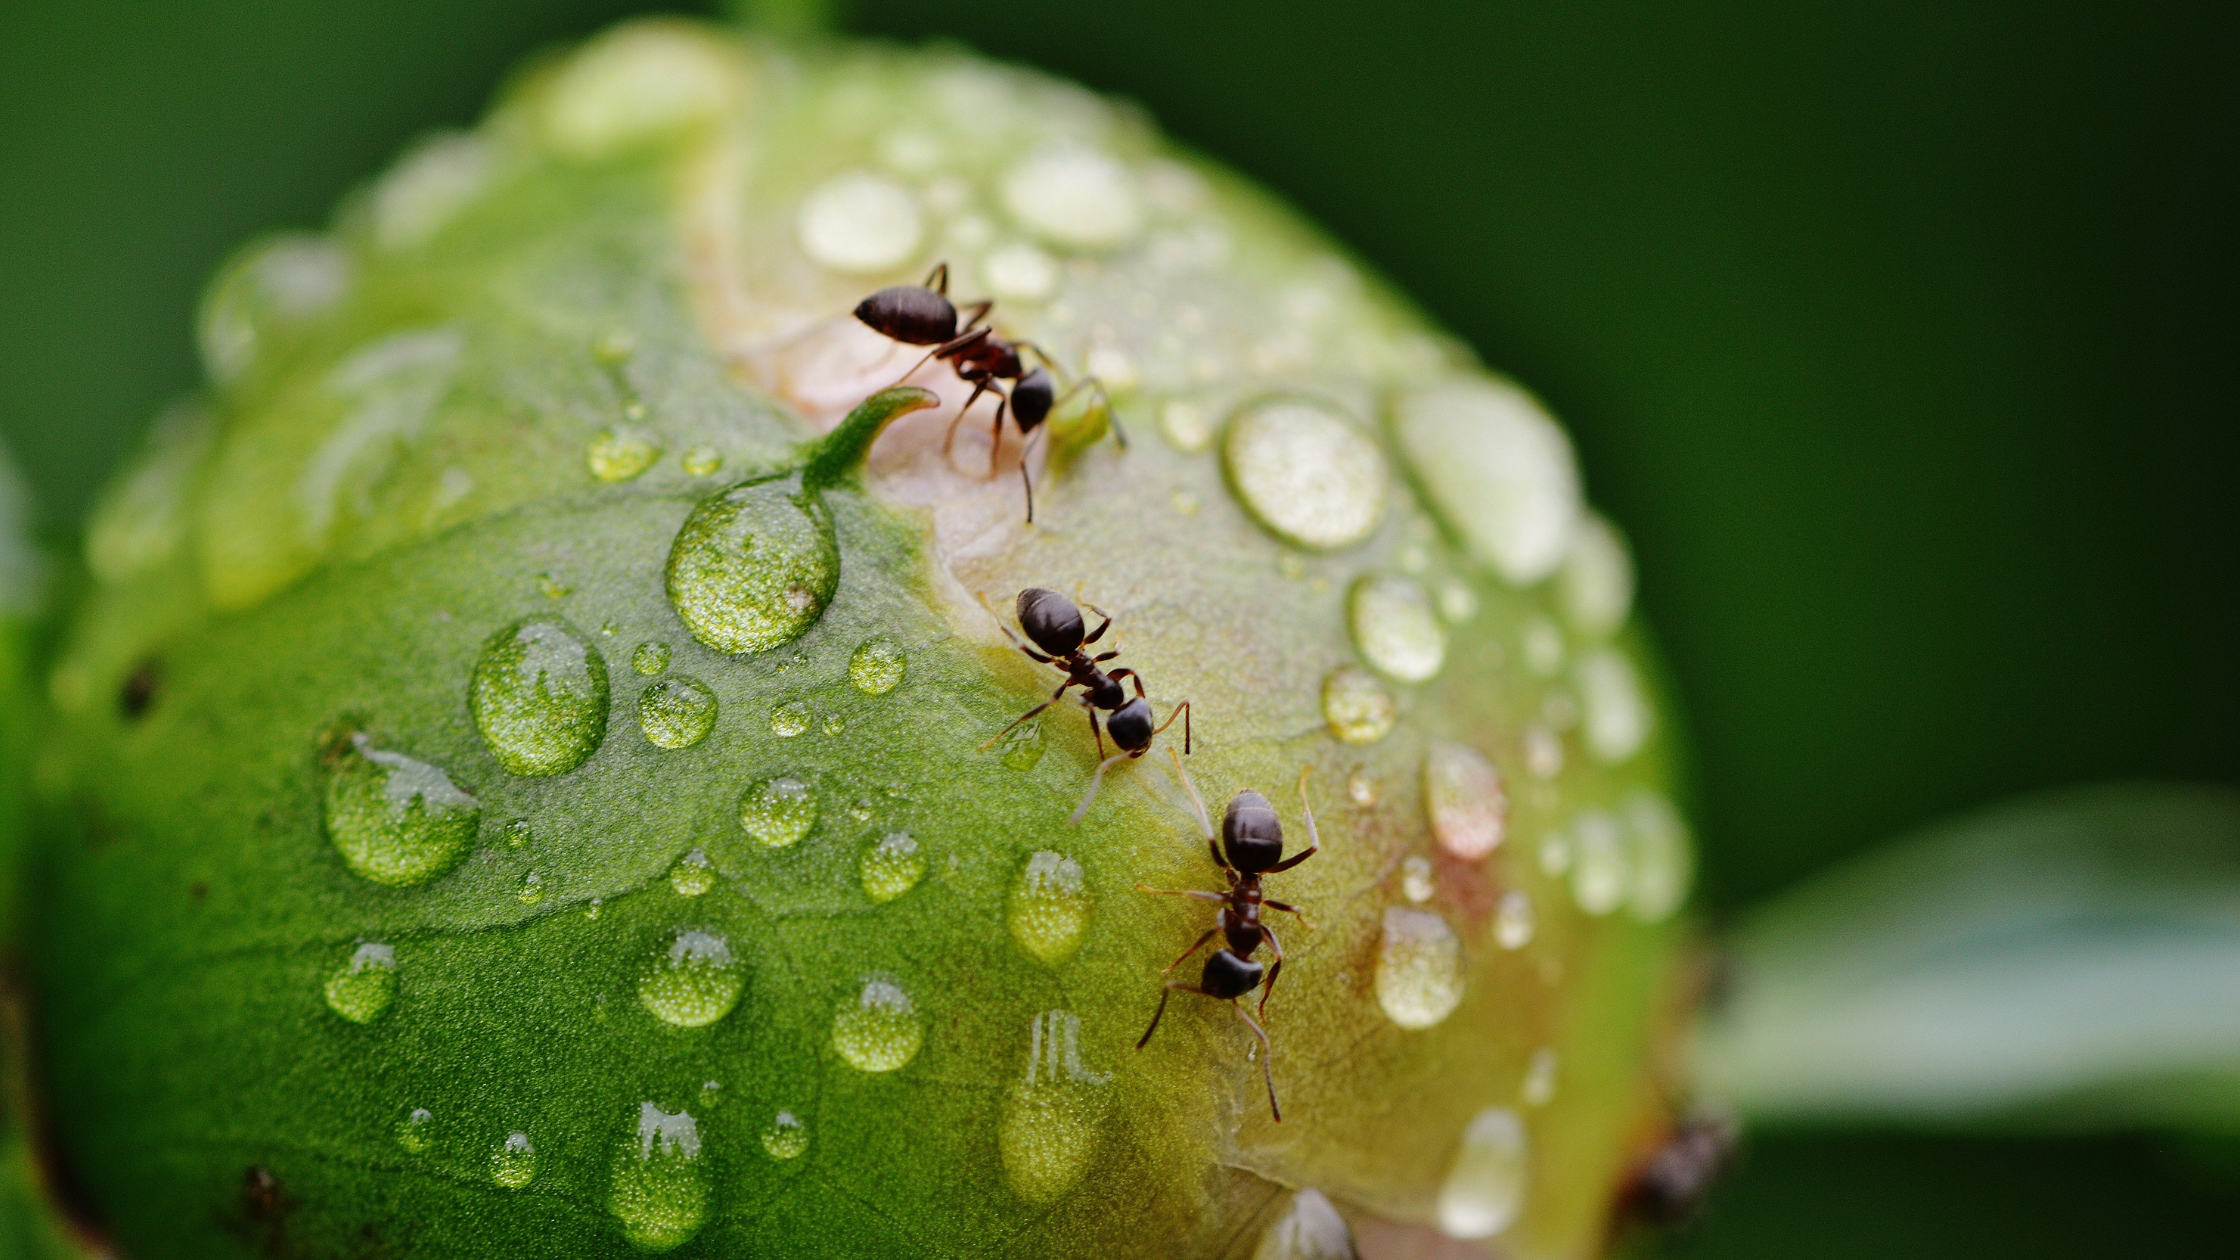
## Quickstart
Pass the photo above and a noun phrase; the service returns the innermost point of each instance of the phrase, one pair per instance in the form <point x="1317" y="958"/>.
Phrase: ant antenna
<point x="1096" y="781"/>
<point x="1197" y="802"/>
<point x="1305" y="806"/>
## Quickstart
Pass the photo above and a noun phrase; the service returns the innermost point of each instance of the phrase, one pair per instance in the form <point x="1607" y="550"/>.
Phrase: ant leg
<point x="1028" y="714"/>
<point x="983" y="597"/>
<point x="944" y="350"/>
<point x="1269" y="986"/>
<point x="949" y="440"/>
<point x="1094" y="730"/>
<point x="977" y="311"/>
<point x="938" y="279"/>
<point x="995" y="436"/>
<point x="1180" y="711"/>
<point x="1094" y="783"/>
<point x="1199" y="894"/>
<point x="1267" y="1059"/>
<point x="1098" y="633"/>
<point x="1101" y="657"/>
<point x="1288" y="908"/>
<point x="1192" y="950"/>
<point x="1168" y="990"/>
<point x="1205" y="825"/>
<point x="1024" y="478"/>
<point x="1314" y="839"/>
<point x="1131" y="675"/>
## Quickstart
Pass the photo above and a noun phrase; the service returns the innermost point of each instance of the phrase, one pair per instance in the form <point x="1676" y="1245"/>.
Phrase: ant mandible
<point x="1054" y="624"/>
<point x="1251" y="846"/>
<point x="923" y="315"/>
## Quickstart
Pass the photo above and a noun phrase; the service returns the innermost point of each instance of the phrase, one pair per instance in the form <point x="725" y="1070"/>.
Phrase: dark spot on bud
<point x="140" y="689"/>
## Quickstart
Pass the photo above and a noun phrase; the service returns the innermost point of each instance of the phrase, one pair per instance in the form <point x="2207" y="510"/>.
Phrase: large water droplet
<point x="539" y="696"/>
<point x="754" y="566"/>
<point x="1310" y="1229"/>
<point x="1074" y="195"/>
<point x="660" y="1189"/>
<point x="1049" y="907"/>
<point x="1663" y="860"/>
<point x="1356" y="706"/>
<point x="892" y="867"/>
<point x="1306" y="472"/>
<point x="1596" y="583"/>
<point x="617" y="455"/>
<point x="1021" y="747"/>
<point x="397" y="821"/>
<point x="695" y="982"/>
<point x="676" y="712"/>
<point x="514" y="1164"/>
<point x="1513" y="920"/>
<point x="1462" y="794"/>
<point x="1599" y="878"/>
<point x="877" y="667"/>
<point x="1049" y="1127"/>
<point x="1396" y="629"/>
<point x="650" y="658"/>
<point x="859" y="224"/>
<point x="785" y="1137"/>
<point x="1419" y="970"/>
<point x="361" y="989"/>
<point x="1484" y="1188"/>
<point x="1498" y="468"/>
<point x="778" y="812"/>
<point x="1618" y="717"/>
<point x="693" y="875"/>
<point x="416" y="1130"/>
<point x="879" y="1031"/>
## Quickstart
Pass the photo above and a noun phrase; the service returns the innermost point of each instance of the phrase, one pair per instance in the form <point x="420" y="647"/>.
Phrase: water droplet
<point x="660" y="1189"/>
<point x="693" y="875"/>
<point x="711" y="1093"/>
<point x="593" y="910"/>
<point x="519" y="833"/>
<point x="635" y="83"/>
<point x="416" y="1129"/>
<point x="1596" y="583"/>
<point x="1419" y="970"/>
<point x="1310" y="1229"/>
<point x="531" y="891"/>
<point x="785" y="1137"/>
<point x="1617" y="716"/>
<point x="1306" y="472"/>
<point x="1462" y="793"/>
<point x="1185" y="503"/>
<point x="1543" y="752"/>
<point x="1416" y="882"/>
<point x="428" y="187"/>
<point x="834" y="724"/>
<point x="1074" y="195"/>
<point x="514" y="1164"/>
<point x="397" y="821"/>
<point x="1555" y="854"/>
<point x="789" y="719"/>
<point x="859" y="224"/>
<point x="1539" y="1084"/>
<point x="1049" y="907"/>
<point x="552" y="587"/>
<point x="695" y="982"/>
<point x="1457" y="602"/>
<point x="1498" y="468"/>
<point x="1356" y="706"/>
<point x="614" y="347"/>
<point x="1484" y="1188"/>
<point x="1361" y="789"/>
<point x="539" y="696"/>
<point x="676" y="712"/>
<point x="1395" y="628"/>
<point x="1022" y="746"/>
<point x="617" y="455"/>
<point x="270" y="290"/>
<point x="879" y="1031"/>
<point x="1513" y="921"/>
<point x="703" y="461"/>
<point x="1543" y="647"/>
<point x="1187" y="425"/>
<point x="892" y="867"/>
<point x="778" y="812"/>
<point x="754" y="566"/>
<point x="1049" y="1127"/>
<point x="877" y="667"/>
<point x="1599" y="878"/>
<point x="362" y="988"/>
<point x="1663" y="860"/>
<point x="1020" y="273"/>
<point x="650" y="658"/>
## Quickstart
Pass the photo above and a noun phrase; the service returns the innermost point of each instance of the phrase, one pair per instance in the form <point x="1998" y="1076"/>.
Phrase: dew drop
<point x="754" y="566"/>
<point x="1596" y="584"/>
<point x="1310" y="1229"/>
<point x="519" y="833"/>
<point x="1395" y="628"/>
<point x="790" y="719"/>
<point x="1049" y="907"/>
<point x="397" y="821"/>
<point x="1049" y="1127"/>
<point x="531" y="891"/>
<point x="1021" y="747"/>
<point x="703" y="461"/>
<point x="1555" y="855"/>
<point x="552" y="587"/>
<point x="514" y="1164"/>
<point x="1306" y="472"/>
<point x="834" y="724"/>
<point x="1663" y="860"/>
<point x="650" y="658"/>
<point x="361" y="989"/>
<point x="660" y="1189"/>
<point x="676" y="712"/>
<point x="539" y="697"/>
<point x="1617" y="717"/>
<point x="1074" y="195"/>
<point x="778" y="812"/>
<point x="879" y="1030"/>
<point x="859" y="224"/>
<point x="785" y="1137"/>
<point x="618" y="455"/>
<point x="892" y="867"/>
<point x="1543" y="752"/>
<point x="1457" y="602"/>
<point x="593" y="909"/>
<point x="1416" y="881"/>
<point x="614" y="347"/>
<point x="1539" y="1084"/>
<point x="1020" y="273"/>
<point x="1484" y="1187"/>
<point x="1462" y="793"/>
<point x="1419" y="970"/>
<point x="1513" y="921"/>
<point x="694" y="983"/>
<point x="1599" y="879"/>
<point x="1361" y="788"/>
<point x="877" y="667"/>
<point x="1187" y="426"/>
<point x="693" y="875"/>
<point x="1356" y="706"/>
<point x="1543" y="647"/>
<point x="1498" y="468"/>
<point x="416" y="1129"/>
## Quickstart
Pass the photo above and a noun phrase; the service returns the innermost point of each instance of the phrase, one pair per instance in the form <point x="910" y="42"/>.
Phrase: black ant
<point x="1251" y="847"/>
<point x="1054" y="624"/>
<point x="1665" y="1188"/>
<point x="923" y="315"/>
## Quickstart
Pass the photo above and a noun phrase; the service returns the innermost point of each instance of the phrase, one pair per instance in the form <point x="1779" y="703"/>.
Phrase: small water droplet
<point x="1498" y="468"/>
<point x="877" y="667"/>
<point x="1419" y="970"/>
<point x="397" y="821"/>
<point x="892" y="867"/>
<point x="859" y="224"/>
<point x="659" y="1189"/>
<point x="1416" y="881"/>
<point x="1457" y="602"/>
<point x="786" y="1137"/>
<point x="1356" y="706"/>
<point x="778" y="812"/>
<point x="650" y="658"/>
<point x="1663" y="859"/>
<point x="1074" y="195"/>
<point x="1361" y="788"/>
<point x="1049" y="907"/>
<point x="1185" y="503"/>
<point x="711" y="1093"/>
<point x="593" y="910"/>
<point x="1599" y="878"/>
<point x="1596" y="583"/>
<point x="753" y="567"/>
<point x="1395" y="628"/>
<point x="1310" y="1229"/>
<point x="539" y="697"/>
<point x="514" y="1164"/>
<point x="1513" y="921"/>
<point x="703" y="461"/>
<point x="693" y="875"/>
<point x="860" y="810"/>
<point x="614" y="347"/>
<point x="1049" y="1128"/>
<point x="1462" y="793"/>
<point x="676" y="712"/>
<point x="695" y="982"/>
<point x="416" y="1130"/>
<point x="1306" y="472"/>
<point x="617" y="455"/>
<point x="362" y="988"/>
<point x="1022" y="746"/>
<point x="1484" y="1187"/>
<point x="1543" y="647"/>
<point x="1543" y="752"/>
<point x="519" y="833"/>
<point x="834" y="723"/>
<point x="531" y="891"/>
<point x="1187" y="425"/>
<point x="1617" y="716"/>
<point x="1020" y="273"/>
<point x="1539" y="1084"/>
<point x="879" y="1030"/>
<point x="551" y="587"/>
<point x="1555" y="854"/>
<point x="789" y="719"/>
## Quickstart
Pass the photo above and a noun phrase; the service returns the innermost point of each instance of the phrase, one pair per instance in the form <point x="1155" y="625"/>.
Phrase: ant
<point x="1667" y="1186"/>
<point x="1251" y="847"/>
<point x="923" y="315"/>
<point x="1054" y="624"/>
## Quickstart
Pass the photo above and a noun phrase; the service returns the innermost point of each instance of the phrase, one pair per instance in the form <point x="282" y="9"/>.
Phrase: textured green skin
<point x="189" y="906"/>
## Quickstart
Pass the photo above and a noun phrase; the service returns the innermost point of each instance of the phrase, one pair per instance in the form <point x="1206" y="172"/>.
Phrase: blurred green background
<point x="1899" y="337"/>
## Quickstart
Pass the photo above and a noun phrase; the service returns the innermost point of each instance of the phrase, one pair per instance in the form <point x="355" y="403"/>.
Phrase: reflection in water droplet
<point x="619" y="455"/>
<point x="660" y="1189"/>
<point x="532" y="889"/>
<point x="1416" y="883"/>
<point x="1617" y="715"/>
<point x="416" y="1129"/>
<point x="785" y="1137"/>
<point x="789" y="719"/>
<point x="879" y="1030"/>
<point x="1539" y="1084"/>
<point x="703" y="461"/>
<point x="519" y="833"/>
<point x="1074" y="195"/>
<point x="1049" y="907"/>
<point x="693" y="875"/>
<point x="397" y="821"/>
<point x="1599" y="878"/>
<point x="1306" y="472"/>
<point x="1484" y="1188"/>
<point x="1310" y="1229"/>
<point x="1513" y="921"/>
<point x="362" y="988"/>
<point x="676" y="712"/>
<point x="1663" y="859"/>
<point x="1355" y="706"/>
<point x="859" y="224"/>
<point x="1022" y="746"/>
<point x="892" y="867"/>
<point x="1462" y="793"/>
<point x="1049" y="1128"/>
<point x="877" y="667"/>
<point x="778" y="812"/>
<point x="754" y="566"/>
<point x="1499" y="470"/>
<point x="694" y="983"/>
<point x="539" y="697"/>
<point x="514" y="1164"/>
<point x="1360" y="788"/>
<point x="1395" y="629"/>
<point x="650" y="658"/>
<point x="1419" y="970"/>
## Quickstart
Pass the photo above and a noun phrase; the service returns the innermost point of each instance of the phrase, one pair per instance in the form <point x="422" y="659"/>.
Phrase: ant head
<point x="1130" y="725"/>
<point x="1051" y="620"/>
<point x="911" y="314"/>
<point x="1032" y="396"/>
<point x="1250" y="833"/>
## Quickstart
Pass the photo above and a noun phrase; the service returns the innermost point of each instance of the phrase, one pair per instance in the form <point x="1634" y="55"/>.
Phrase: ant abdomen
<point x="910" y="313"/>
<point x="1051" y="621"/>
<point x="1228" y="976"/>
